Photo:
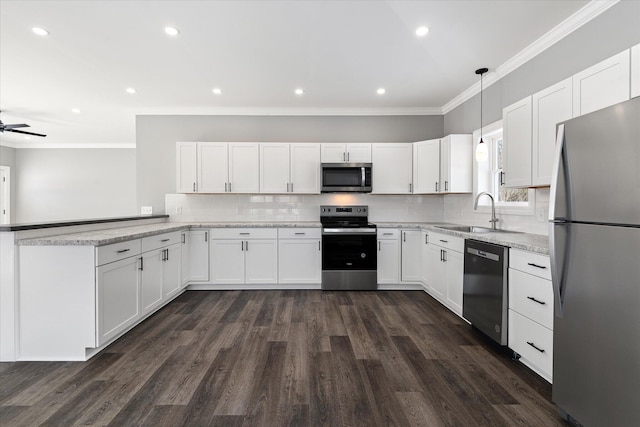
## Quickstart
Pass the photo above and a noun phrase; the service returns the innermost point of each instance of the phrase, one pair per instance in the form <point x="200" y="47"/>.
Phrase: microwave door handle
<point x="362" y="183"/>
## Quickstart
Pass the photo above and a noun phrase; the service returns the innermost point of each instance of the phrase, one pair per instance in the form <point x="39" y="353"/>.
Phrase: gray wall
<point x="156" y="138"/>
<point x="610" y="33"/>
<point x="61" y="184"/>
<point x="8" y="158"/>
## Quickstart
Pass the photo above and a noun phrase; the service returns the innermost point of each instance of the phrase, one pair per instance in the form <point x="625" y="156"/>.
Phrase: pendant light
<point x="482" y="150"/>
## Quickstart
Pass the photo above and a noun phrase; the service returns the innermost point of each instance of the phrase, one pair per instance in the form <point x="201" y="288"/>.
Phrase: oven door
<point x="355" y="251"/>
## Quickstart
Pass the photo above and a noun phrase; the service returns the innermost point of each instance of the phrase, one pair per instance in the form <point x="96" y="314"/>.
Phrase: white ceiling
<point x="257" y="52"/>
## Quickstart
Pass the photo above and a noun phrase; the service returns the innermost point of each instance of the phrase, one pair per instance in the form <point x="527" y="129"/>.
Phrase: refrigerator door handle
<point x="558" y="250"/>
<point x="559" y="195"/>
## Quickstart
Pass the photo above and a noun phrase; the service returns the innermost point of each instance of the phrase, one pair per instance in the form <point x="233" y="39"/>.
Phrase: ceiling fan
<point x="13" y="128"/>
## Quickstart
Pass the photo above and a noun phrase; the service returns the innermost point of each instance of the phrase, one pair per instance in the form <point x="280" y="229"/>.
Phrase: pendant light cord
<point x="481" y="71"/>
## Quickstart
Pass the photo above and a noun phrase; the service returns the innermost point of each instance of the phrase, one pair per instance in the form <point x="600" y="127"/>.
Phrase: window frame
<point x="488" y="133"/>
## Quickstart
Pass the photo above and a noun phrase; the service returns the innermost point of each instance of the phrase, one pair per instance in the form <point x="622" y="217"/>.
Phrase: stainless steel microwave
<point x="346" y="178"/>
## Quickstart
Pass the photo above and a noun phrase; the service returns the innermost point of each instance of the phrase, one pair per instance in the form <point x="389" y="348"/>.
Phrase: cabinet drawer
<point x="446" y="241"/>
<point x="160" y="241"/>
<point x="110" y="253"/>
<point x="244" y="233"/>
<point x="388" y="233"/>
<point x="524" y="334"/>
<point x="529" y="262"/>
<point x="532" y="297"/>
<point x="299" y="233"/>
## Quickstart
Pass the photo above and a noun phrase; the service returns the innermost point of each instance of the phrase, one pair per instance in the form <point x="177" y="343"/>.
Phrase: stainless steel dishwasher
<point x="485" y="296"/>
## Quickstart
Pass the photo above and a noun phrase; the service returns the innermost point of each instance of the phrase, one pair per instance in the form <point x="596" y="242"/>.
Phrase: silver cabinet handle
<point x="292" y="187"/>
<point x="379" y="247"/>
<point x="426" y="239"/>
<point x="225" y="187"/>
<point x="141" y="268"/>
<point x="344" y="156"/>
<point x="319" y="245"/>
<point x="404" y="236"/>
<point x="183" y="238"/>
<point x="194" y="187"/>
<point x="229" y="187"/>
<point x="206" y="236"/>
<point x="348" y="156"/>
<point x="410" y="187"/>
<point x="165" y="240"/>
<point x="446" y="186"/>
<point x="242" y="245"/>
<point x="246" y="245"/>
<point x="245" y="234"/>
<point x="167" y="251"/>
<point x="502" y="180"/>
<point x="387" y="234"/>
<point x="300" y="234"/>
<point x="436" y="186"/>
<point x="288" y="187"/>
<point x="444" y="241"/>
<point x="121" y="251"/>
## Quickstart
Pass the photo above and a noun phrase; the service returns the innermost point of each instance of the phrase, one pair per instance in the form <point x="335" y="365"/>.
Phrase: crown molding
<point x="27" y="145"/>
<point x="319" y="111"/>
<point x="590" y="11"/>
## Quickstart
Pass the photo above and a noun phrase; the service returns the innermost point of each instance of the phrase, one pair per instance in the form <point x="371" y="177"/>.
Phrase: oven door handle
<point x="347" y="231"/>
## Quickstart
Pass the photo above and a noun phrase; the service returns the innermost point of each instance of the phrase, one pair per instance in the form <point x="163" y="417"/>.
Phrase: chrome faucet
<point x="493" y="219"/>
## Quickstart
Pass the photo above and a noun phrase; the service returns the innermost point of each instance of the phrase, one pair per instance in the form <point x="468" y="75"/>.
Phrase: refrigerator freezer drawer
<point x="529" y="262"/>
<point x="533" y="342"/>
<point x="532" y="297"/>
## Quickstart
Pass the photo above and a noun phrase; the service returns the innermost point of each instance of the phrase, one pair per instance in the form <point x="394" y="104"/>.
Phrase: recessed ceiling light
<point x="422" y="31"/>
<point x="171" y="31"/>
<point x="381" y="91"/>
<point x="75" y="110"/>
<point x="130" y="90"/>
<point x="40" y="31"/>
<point x="299" y="91"/>
<point x="217" y="91"/>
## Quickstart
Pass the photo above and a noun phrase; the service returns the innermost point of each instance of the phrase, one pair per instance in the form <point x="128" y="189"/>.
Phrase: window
<point x="488" y="175"/>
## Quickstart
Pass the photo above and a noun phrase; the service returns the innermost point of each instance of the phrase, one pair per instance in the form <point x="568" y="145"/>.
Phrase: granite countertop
<point x="73" y="222"/>
<point x="525" y="241"/>
<point x="116" y="235"/>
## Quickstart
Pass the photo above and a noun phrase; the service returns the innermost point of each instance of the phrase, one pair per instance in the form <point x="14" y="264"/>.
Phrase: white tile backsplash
<point x="280" y="207"/>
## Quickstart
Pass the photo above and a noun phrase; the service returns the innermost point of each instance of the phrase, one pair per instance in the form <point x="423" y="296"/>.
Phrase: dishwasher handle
<point x="484" y="254"/>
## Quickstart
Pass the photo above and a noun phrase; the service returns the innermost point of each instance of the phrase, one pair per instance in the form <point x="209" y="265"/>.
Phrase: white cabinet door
<point x="243" y="168"/>
<point x="151" y="280"/>
<point x="426" y="166"/>
<point x="274" y="168"/>
<point x="602" y="85"/>
<point x="635" y="71"/>
<point x="185" y="258"/>
<point x="411" y="255"/>
<point x="171" y="283"/>
<point x="227" y="262"/>
<point x="261" y="261"/>
<point x="550" y="107"/>
<point x="198" y="262"/>
<point x="388" y="262"/>
<point x="333" y="153"/>
<point x="454" y="271"/>
<point x="517" y="143"/>
<point x="456" y="164"/>
<point x="305" y="168"/>
<point x="435" y="274"/>
<point x="358" y="153"/>
<point x="118" y="297"/>
<point x="299" y="261"/>
<point x="186" y="167"/>
<point x="392" y="173"/>
<point x="213" y="167"/>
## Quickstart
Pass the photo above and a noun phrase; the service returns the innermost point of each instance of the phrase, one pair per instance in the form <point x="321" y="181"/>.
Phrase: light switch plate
<point x="146" y="210"/>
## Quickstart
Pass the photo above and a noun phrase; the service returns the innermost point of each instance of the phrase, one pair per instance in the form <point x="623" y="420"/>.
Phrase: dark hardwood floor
<point x="275" y="358"/>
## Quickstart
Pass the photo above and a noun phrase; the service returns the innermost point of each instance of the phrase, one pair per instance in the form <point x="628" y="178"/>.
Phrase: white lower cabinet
<point x="151" y="267"/>
<point x="388" y="256"/>
<point x="244" y="256"/>
<point x="299" y="255"/>
<point x="531" y="311"/>
<point x="117" y="297"/>
<point x="443" y="269"/>
<point x="411" y="250"/>
<point x="198" y="249"/>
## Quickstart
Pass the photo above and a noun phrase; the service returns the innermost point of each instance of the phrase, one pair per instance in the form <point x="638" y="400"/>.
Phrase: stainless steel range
<point x="349" y="255"/>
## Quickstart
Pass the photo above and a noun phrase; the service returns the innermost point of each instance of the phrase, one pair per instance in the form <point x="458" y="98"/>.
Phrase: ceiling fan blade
<point x="22" y="125"/>
<point x="26" y="133"/>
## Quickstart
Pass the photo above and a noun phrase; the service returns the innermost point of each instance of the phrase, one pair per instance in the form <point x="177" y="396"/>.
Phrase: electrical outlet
<point x="146" y="210"/>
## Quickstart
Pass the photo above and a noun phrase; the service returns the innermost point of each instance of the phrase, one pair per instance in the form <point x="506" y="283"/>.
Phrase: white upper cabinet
<point x="213" y="167"/>
<point x="392" y="168"/>
<point x="274" y="168"/>
<point x="426" y="166"/>
<point x="456" y="164"/>
<point x="602" y="85"/>
<point x="305" y="168"/>
<point x="346" y="153"/>
<point x="289" y="168"/>
<point x="517" y="144"/>
<point x="243" y="168"/>
<point x="186" y="167"/>
<point x="635" y="71"/>
<point x="550" y="107"/>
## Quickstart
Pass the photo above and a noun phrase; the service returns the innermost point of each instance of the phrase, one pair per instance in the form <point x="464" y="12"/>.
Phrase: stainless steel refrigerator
<point x="594" y="241"/>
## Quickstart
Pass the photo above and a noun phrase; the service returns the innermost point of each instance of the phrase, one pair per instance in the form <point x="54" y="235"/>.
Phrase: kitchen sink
<point x="473" y="229"/>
